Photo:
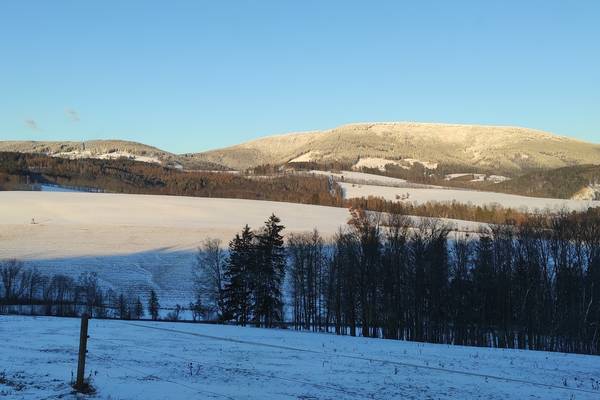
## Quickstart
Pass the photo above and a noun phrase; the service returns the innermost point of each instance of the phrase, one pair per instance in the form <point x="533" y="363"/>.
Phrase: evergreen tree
<point x="239" y="271"/>
<point x="197" y="308"/>
<point x="269" y="273"/>
<point x="153" y="305"/>
<point x="138" y="309"/>
<point x="123" y="307"/>
<point x="484" y="288"/>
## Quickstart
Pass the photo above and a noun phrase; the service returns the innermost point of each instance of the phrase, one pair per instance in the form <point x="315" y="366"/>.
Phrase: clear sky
<point x="190" y="76"/>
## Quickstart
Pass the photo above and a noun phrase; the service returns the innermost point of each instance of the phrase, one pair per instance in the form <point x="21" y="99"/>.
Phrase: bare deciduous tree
<point x="209" y="277"/>
<point x="10" y="272"/>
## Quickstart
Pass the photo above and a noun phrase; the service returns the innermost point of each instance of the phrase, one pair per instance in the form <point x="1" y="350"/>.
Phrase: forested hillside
<point x="558" y="183"/>
<point x="22" y="171"/>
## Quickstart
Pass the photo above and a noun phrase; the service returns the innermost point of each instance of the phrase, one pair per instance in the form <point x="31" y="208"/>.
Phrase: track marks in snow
<point x="375" y="360"/>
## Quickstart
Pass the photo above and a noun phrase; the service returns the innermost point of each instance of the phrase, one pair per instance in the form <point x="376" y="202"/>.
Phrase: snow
<point x="590" y="192"/>
<point x="56" y="188"/>
<point x="124" y="154"/>
<point x="361" y="177"/>
<point x="426" y="164"/>
<point x="420" y="196"/>
<point x="380" y="163"/>
<point x="449" y="177"/>
<point x="137" y="242"/>
<point x="77" y="154"/>
<point x="99" y="223"/>
<point x="498" y="178"/>
<point x="374" y="162"/>
<point x="157" y="360"/>
<point x="478" y="177"/>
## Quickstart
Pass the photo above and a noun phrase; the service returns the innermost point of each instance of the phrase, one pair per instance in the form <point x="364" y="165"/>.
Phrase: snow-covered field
<point x="136" y="242"/>
<point x="381" y="163"/>
<point x="154" y="360"/>
<point x="359" y="184"/>
<point x="367" y="179"/>
<point x="90" y="224"/>
<point x="421" y="195"/>
<point x="478" y="177"/>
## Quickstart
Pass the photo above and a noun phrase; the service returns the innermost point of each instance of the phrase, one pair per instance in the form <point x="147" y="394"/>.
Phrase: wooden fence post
<point x="83" y="337"/>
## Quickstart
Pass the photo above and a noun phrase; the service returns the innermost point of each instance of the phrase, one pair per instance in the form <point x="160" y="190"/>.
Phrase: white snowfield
<point x="155" y="360"/>
<point x="478" y="177"/>
<point x="364" y="178"/>
<point x="88" y="224"/>
<point x="135" y="243"/>
<point x="479" y="198"/>
<point x="382" y="163"/>
<point x="359" y="184"/>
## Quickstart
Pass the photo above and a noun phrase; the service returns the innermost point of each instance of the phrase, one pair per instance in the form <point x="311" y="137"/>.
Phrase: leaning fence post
<point x="83" y="337"/>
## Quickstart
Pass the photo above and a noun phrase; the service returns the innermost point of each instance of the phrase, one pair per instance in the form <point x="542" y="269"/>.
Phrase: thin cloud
<point x="32" y="124"/>
<point x="73" y="115"/>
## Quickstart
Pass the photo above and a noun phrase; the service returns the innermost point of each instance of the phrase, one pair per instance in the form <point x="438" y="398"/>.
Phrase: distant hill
<point x="493" y="149"/>
<point x="107" y="149"/>
<point x="495" y="158"/>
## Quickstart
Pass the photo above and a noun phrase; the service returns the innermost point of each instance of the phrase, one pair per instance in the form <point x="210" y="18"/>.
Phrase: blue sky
<point x="190" y="76"/>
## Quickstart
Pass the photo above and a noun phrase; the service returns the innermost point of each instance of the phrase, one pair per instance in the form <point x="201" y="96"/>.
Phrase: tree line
<point x="530" y="285"/>
<point x="533" y="284"/>
<point x="25" y="290"/>
<point x="246" y="287"/>
<point x="489" y="214"/>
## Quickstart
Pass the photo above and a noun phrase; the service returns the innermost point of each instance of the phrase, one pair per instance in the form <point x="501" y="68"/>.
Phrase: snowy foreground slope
<point x="146" y="360"/>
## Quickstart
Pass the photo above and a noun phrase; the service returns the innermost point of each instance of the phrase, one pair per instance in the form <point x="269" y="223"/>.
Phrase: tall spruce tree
<point x="269" y="274"/>
<point x="484" y="288"/>
<point x="138" y="309"/>
<point x="153" y="305"/>
<point x="239" y="272"/>
<point x="124" y="311"/>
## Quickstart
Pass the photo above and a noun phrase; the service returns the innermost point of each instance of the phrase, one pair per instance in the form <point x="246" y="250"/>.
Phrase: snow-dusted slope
<point x="74" y="155"/>
<point x="494" y="149"/>
<point x="105" y="149"/>
<point x="136" y="242"/>
<point x="424" y="195"/>
<point x="68" y="224"/>
<point x="363" y="178"/>
<point x="146" y="360"/>
<point x="89" y="149"/>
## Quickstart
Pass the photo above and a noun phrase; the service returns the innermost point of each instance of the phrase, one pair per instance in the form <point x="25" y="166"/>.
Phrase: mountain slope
<point x="579" y="182"/>
<point x="508" y="150"/>
<point x="94" y="147"/>
<point x="106" y="149"/>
